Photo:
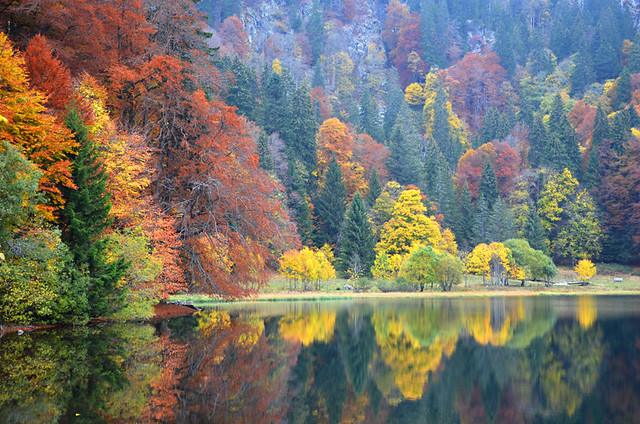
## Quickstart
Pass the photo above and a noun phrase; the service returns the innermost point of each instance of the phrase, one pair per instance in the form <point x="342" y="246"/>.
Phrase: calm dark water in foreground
<point x="511" y="360"/>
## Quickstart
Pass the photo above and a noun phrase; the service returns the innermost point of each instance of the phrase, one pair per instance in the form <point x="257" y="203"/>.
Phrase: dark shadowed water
<point x="493" y="360"/>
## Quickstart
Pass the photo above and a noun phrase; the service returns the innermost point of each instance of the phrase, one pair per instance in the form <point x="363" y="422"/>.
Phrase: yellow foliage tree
<point x="409" y="225"/>
<point x="495" y="260"/>
<point x="414" y="94"/>
<point x="555" y="194"/>
<point x="306" y="266"/>
<point x="585" y="269"/>
<point x="430" y="88"/>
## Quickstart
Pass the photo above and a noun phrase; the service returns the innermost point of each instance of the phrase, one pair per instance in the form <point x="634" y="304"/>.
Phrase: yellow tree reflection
<point x="587" y="311"/>
<point x="314" y="326"/>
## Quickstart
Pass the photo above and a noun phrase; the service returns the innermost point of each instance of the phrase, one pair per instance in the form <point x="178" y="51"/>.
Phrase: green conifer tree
<point x="465" y="229"/>
<point x="450" y="148"/>
<point x="302" y="143"/>
<point x="566" y="154"/>
<point x="623" y="89"/>
<point x="488" y="185"/>
<point x="356" y="240"/>
<point x="490" y="124"/>
<point x="330" y="205"/>
<point x="374" y="189"/>
<point x="86" y="214"/>
<point x="264" y="153"/>
<point x="533" y="230"/>
<point x="538" y="143"/>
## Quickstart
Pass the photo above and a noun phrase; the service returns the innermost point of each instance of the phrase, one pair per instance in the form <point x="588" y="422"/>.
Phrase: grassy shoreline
<point x="278" y="290"/>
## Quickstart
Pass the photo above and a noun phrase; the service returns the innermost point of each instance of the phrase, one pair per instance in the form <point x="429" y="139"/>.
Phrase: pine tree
<point x="488" y="185"/>
<point x="331" y="205"/>
<point x="86" y="215"/>
<point x="374" y="190"/>
<point x="243" y="92"/>
<point x="356" y="238"/>
<point x="600" y="128"/>
<point x="264" y="153"/>
<point x="634" y="57"/>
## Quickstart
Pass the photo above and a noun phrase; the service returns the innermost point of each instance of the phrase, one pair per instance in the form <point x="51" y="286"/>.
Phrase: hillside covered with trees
<point x="152" y="146"/>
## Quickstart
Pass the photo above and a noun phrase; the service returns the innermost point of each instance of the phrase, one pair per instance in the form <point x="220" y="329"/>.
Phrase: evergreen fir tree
<point x="356" y="238"/>
<point x="567" y="154"/>
<point x="593" y="171"/>
<point x="501" y="225"/>
<point x="581" y="76"/>
<point x="433" y="160"/>
<point x="490" y="126"/>
<point x="315" y="31"/>
<point x="481" y="223"/>
<point x="370" y="117"/>
<point x="623" y="89"/>
<point x="445" y="197"/>
<point x="394" y="103"/>
<point x="86" y="214"/>
<point x="450" y="148"/>
<point x="538" y="144"/>
<point x="620" y="131"/>
<point x="243" y="92"/>
<point x="302" y="143"/>
<point x="634" y="57"/>
<point x="600" y="128"/>
<point x="533" y="231"/>
<point x="276" y="104"/>
<point x="374" y="190"/>
<point x="488" y="185"/>
<point x="331" y="205"/>
<point x="467" y="218"/>
<point x="264" y="153"/>
<point x="405" y="157"/>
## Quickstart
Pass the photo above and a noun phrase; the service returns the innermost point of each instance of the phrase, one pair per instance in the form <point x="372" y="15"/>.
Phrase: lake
<point x="464" y="360"/>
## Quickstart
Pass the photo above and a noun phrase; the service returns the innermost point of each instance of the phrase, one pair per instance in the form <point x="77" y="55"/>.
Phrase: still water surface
<point x="493" y="360"/>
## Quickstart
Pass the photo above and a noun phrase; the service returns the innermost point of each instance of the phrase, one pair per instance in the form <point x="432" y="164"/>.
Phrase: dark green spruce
<point x="356" y="241"/>
<point x="86" y="214"/>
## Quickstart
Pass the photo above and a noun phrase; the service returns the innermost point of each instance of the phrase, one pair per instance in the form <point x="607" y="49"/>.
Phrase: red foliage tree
<point x="321" y="103"/>
<point x="476" y="86"/>
<point x="583" y="116"/>
<point x="371" y="155"/>
<point x="236" y="39"/>
<point x="503" y="159"/>
<point x="224" y="203"/>
<point x="48" y="75"/>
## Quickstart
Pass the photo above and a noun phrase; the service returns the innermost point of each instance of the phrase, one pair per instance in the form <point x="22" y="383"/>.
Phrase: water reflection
<point x="451" y="360"/>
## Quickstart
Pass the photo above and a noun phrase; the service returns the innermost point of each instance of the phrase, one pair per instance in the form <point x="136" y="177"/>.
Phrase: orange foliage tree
<point x="371" y="155"/>
<point x="335" y="140"/>
<point x="41" y="138"/>
<point x="503" y="159"/>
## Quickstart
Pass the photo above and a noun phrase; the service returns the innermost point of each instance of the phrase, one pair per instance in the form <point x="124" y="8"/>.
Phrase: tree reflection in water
<point x="483" y="360"/>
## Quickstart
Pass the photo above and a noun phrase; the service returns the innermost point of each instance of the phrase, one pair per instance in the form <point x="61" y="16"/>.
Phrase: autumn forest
<point x="149" y="147"/>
